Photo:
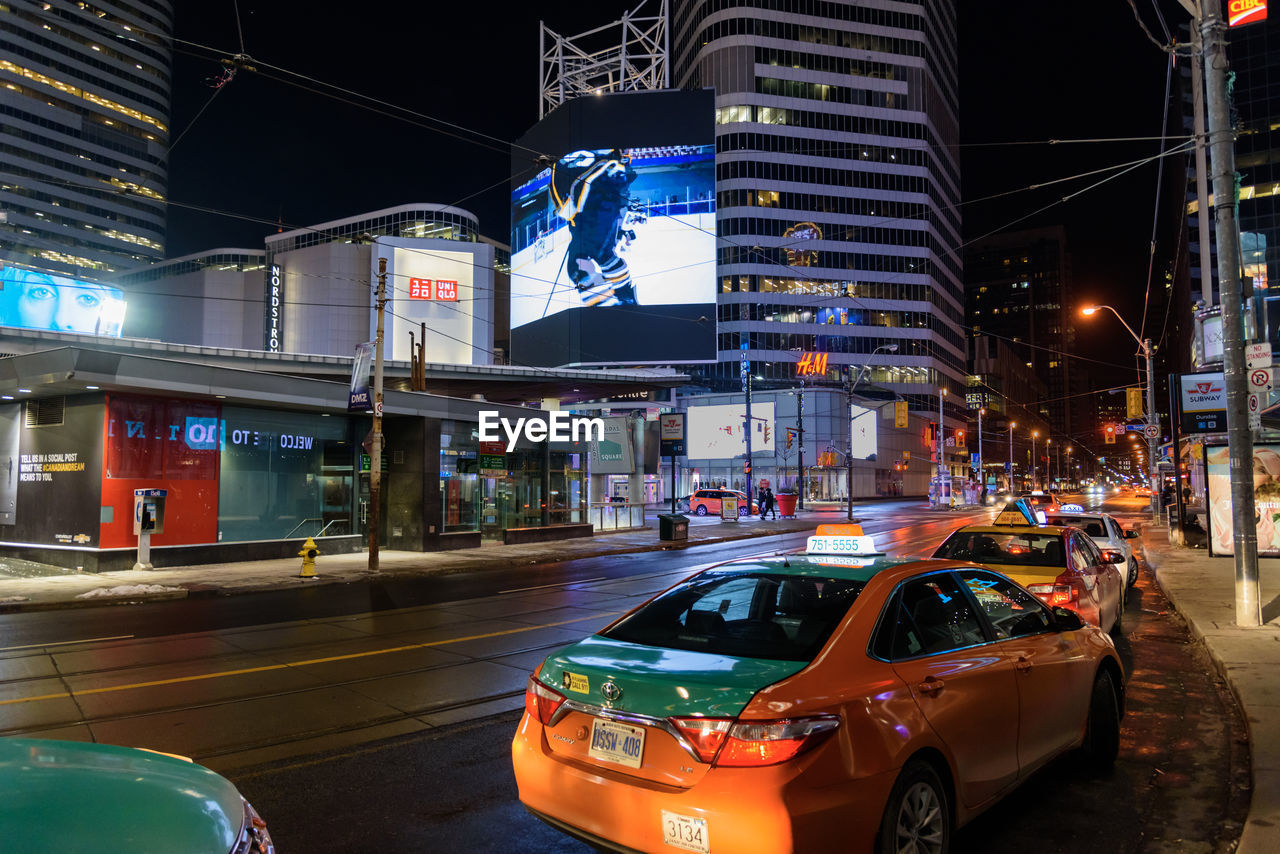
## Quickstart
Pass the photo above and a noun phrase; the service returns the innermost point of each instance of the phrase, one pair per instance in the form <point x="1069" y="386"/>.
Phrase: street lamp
<point x="942" y="392"/>
<point x="1153" y="422"/>
<point x="1012" y="424"/>
<point x="848" y="457"/>
<point x="1034" y="434"/>
<point x="982" y="475"/>
<point x="1048" y="464"/>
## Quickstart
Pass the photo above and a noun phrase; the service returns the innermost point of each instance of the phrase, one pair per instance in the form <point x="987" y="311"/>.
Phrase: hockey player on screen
<point x="591" y="191"/>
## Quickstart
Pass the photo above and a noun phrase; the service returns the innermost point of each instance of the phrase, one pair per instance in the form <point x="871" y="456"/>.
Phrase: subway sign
<point x="1241" y="12"/>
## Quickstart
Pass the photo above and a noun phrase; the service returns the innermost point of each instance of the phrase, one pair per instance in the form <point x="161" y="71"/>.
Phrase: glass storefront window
<point x="284" y="474"/>
<point x="568" y="497"/>
<point x="459" y="477"/>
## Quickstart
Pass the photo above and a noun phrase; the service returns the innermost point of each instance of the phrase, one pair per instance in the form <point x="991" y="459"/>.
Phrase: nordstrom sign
<point x="558" y="427"/>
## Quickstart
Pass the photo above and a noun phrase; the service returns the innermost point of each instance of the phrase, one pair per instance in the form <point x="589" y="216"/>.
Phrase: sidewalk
<point x="1202" y="589"/>
<point x="89" y="589"/>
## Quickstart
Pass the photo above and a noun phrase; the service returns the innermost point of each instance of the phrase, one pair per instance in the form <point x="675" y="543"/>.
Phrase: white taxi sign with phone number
<point x="841" y="545"/>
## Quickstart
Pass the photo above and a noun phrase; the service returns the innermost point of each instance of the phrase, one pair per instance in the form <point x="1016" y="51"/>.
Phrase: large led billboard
<point x="613" y="233"/>
<point x="32" y="300"/>
<point x="716" y="432"/>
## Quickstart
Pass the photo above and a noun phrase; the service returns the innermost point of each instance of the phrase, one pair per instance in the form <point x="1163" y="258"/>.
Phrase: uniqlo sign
<point x="433" y="289"/>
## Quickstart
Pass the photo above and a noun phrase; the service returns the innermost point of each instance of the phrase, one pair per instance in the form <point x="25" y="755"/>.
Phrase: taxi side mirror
<point x="1066" y="620"/>
<point x="1131" y="534"/>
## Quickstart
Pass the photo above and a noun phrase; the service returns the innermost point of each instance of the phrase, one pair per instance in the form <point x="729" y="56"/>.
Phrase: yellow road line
<point x="304" y="663"/>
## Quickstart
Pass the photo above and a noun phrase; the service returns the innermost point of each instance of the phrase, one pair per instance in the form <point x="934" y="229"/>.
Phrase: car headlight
<point x="254" y="837"/>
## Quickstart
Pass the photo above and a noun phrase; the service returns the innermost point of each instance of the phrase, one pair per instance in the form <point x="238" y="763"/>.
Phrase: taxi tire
<point x="1133" y="574"/>
<point x="1118" y="625"/>
<point x="700" y="510"/>
<point x="1102" y="731"/>
<point x="918" y="798"/>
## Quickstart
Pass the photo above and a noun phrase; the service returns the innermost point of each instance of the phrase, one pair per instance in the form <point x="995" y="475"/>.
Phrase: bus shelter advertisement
<point x="613" y="243"/>
<point x="1266" y="499"/>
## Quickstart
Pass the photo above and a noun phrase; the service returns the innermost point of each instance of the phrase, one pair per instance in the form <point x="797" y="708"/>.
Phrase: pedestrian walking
<point x="769" y="504"/>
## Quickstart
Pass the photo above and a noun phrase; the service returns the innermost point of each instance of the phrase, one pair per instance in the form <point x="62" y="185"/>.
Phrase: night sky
<point x="260" y="150"/>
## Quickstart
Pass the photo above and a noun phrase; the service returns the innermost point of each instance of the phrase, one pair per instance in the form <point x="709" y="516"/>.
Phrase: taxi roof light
<point x="841" y="530"/>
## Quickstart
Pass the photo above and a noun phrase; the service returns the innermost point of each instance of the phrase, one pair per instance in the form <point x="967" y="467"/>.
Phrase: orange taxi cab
<point x="832" y="701"/>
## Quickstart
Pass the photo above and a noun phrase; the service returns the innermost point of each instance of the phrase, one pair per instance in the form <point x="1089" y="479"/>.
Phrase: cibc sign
<point x="274" y="290"/>
<point x="1241" y="12"/>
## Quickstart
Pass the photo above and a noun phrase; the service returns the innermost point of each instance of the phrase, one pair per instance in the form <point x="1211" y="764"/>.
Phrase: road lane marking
<point x="177" y="680"/>
<point x="548" y="586"/>
<point x="64" y="643"/>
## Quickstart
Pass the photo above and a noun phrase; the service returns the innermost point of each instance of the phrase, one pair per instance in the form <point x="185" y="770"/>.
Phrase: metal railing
<point x="615" y="517"/>
<point x="319" y="533"/>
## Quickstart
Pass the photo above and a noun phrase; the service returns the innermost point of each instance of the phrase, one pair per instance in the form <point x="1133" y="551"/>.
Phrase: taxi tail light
<point x="540" y="701"/>
<point x="748" y="744"/>
<point x="1065" y="590"/>
<point x="1112" y="556"/>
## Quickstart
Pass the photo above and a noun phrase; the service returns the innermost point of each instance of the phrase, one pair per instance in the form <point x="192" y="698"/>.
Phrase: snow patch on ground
<point x="128" y="590"/>
<point x="7" y="599"/>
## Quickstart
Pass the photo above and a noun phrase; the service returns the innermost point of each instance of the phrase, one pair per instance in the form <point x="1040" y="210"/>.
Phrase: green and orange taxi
<point x="836" y="700"/>
<point x="72" y="796"/>
<point x="1058" y="563"/>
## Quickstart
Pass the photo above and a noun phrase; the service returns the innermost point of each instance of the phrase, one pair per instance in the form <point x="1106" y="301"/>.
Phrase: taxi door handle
<point x="1022" y="665"/>
<point x="931" y="685"/>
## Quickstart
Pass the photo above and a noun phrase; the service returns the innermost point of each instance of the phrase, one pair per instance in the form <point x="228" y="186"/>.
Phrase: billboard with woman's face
<point x="32" y="300"/>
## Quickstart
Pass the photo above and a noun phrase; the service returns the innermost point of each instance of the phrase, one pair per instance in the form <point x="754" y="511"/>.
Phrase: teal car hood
<point x="71" y="797"/>
<point x="661" y="682"/>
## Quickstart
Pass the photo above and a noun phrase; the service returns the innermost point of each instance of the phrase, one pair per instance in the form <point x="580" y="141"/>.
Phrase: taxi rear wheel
<point x="1102" y="732"/>
<point x="917" y="817"/>
<point x="701" y="510"/>
<point x="1133" y="573"/>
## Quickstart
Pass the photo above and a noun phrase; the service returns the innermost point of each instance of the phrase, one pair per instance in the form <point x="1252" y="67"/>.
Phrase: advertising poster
<point x="33" y="300"/>
<point x="613" y="240"/>
<point x="60" y="477"/>
<point x="716" y="432"/>
<point x="429" y="283"/>
<point x="9" y="432"/>
<point x="1266" y="499"/>
<point x="360" y="399"/>
<point x="613" y="453"/>
<point x="862" y="422"/>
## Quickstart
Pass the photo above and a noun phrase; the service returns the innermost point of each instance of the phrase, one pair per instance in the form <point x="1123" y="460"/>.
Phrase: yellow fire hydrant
<point x="308" y="555"/>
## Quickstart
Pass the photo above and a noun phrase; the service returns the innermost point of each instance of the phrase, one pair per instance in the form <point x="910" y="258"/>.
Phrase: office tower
<point x="84" y="134"/>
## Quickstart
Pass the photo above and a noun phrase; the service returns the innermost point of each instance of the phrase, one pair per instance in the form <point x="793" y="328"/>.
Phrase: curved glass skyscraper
<point x="84" y="134"/>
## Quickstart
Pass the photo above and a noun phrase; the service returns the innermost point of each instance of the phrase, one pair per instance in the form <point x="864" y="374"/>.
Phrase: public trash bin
<point x="673" y="526"/>
<point x="786" y="504"/>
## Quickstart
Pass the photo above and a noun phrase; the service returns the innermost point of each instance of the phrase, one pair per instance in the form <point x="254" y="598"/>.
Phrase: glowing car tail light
<point x="705" y="734"/>
<point x="1065" y="590"/>
<point x="540" y="701"/>
<point x="748" y="744"/>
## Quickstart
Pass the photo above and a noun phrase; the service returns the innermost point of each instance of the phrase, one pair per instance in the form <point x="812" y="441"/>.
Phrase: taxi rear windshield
<point x="743" y="614"/>
<point x="1013" y="549"/>
<point x="1091" y="525"/>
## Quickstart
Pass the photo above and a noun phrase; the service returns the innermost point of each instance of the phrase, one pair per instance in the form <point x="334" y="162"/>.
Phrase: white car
<point x="1103" y="529"/>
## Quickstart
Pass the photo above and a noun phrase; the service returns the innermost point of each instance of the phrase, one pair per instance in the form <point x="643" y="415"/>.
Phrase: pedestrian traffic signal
<point x="1111" y="434"/>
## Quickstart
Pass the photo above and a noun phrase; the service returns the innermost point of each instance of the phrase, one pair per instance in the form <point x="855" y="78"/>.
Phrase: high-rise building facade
<point x="84" y="134"/>
<point x="837" y="186"/>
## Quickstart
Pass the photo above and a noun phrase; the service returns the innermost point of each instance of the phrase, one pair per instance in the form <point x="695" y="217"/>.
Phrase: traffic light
<point x="959" y="438"/>
<point x="791" y="434"/>
<point x="1111" y="434"/>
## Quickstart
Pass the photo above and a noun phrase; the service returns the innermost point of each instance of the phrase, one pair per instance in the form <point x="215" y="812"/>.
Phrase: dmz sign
<point x="274" y="292"/>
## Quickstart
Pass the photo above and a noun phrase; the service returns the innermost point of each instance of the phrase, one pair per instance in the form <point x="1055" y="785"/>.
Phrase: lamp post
<point x="942" y="467"/>
<point x="1048" y="464"/>
<point x="1153" y="422"/>
<point x="982" y="475"/>
<point x="1034" y="466"/>
<point x="848" y="457"/>
<point x="1012" y="424"/>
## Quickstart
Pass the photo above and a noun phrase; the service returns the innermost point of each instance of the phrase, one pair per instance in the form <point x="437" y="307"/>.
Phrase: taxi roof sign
<point x="1072" y="508"/>
<point x="844" y="544"/>
<point x="1018" y="512"/>
<point x="840" y="530"/>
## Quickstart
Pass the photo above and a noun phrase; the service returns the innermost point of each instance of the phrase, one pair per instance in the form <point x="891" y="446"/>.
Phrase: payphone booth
<point x="148" y="519"/>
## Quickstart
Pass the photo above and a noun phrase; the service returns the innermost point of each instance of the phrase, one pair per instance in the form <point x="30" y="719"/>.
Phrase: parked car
<point x="1041" y="500"/>
<point x="77" y="796"/>
<point x="707" y="501"/>
<point x="812" y="703"/>
<point x="1060" y="565"/>
<point x="1107" y="533"/>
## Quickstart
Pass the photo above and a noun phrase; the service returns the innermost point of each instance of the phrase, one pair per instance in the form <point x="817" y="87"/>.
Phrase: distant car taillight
<point x="540" y="701"/>
<point x="747" y="744"/>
